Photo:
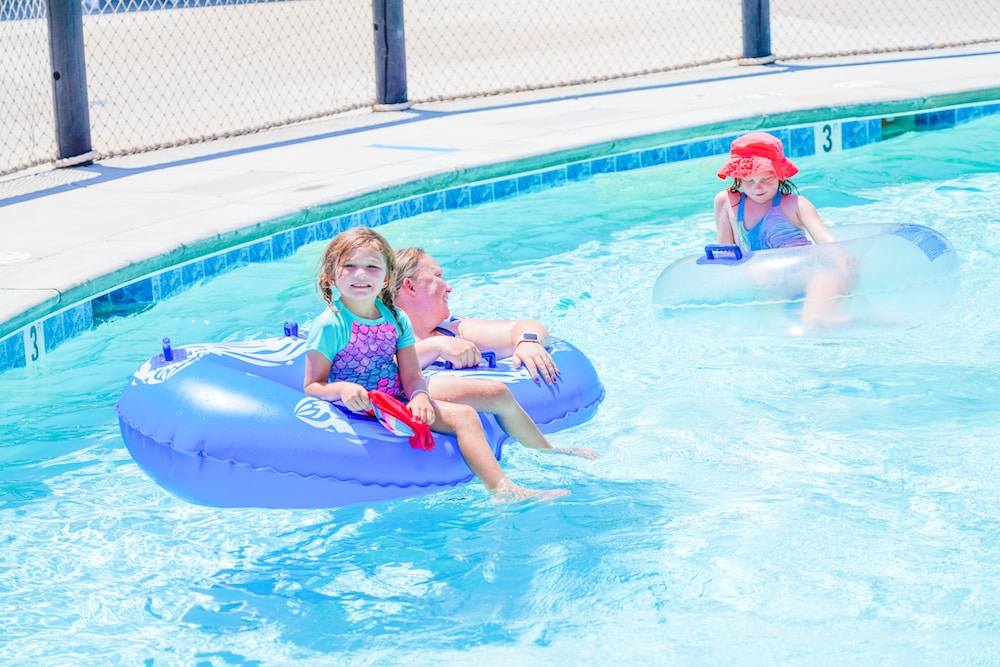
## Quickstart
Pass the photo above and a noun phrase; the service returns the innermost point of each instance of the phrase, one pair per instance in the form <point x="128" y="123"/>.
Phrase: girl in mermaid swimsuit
<point x="361" y="342"/>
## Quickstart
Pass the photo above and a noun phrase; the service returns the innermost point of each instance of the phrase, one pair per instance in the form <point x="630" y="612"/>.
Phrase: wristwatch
<point x="527" y="337"/>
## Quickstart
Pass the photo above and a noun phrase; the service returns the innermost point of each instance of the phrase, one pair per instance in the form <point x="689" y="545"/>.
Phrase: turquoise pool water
<point x="757" y="500"/>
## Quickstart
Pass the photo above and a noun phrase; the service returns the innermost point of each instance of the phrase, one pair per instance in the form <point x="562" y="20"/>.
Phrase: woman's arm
<point x="461" y="353"/>
<point x="507" y="338"/>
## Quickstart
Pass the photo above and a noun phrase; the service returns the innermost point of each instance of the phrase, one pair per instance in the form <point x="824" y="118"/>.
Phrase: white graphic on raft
<point x="263" y="353"/>
<point x="504" y="371"/>
<point x="322" y="415"/>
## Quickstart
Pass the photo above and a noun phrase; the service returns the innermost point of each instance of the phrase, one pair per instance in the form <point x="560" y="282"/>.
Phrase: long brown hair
<point x="341" y="246"/>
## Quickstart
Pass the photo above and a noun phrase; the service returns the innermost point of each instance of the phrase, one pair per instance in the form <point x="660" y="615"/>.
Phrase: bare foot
<point x="509" y="492"/>
<point x="582" y="452"/>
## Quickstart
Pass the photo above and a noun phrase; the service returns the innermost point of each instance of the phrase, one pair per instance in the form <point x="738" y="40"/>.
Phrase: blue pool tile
<point x="192" y="274"/>
<point x="679" y="152"/>
<point x="653" y="157"/>
<point x="801" y="142"/>
<point x="237" y="257"/>
<point x="410" y="207"/>
<point x="627" y="162"/>
<point x="480" y="193"/>
<point x="578" y="171"/>
<point x="935" y="120"/>
<point x="990" y="109"/>
<point x="504" y="189"/>
<point x="282" y="245"/>
<point x="171" y="281"/>
<point x="456" y="198"/>
<point x="966" y="114"/>
<point x="391" y="212"/>
<point x="78" y="319"/>
<point x="304" y="236"/>
<point x="377" y="216"/>
<point x="853" y="134"/>
<point x="705" y="148"/>
<point x="260" y="251"/>
<point x="432" y="201"/>
<point x="214" y="265"/>
<point x="529" y="183"/>
<point x="602" y="165"/>
<point x="324" y="230"/>
<point x="130" y="298"/>
<point x="553" y="178"/>
<point x="12" y="352"/>
<point x="54" y="332"/>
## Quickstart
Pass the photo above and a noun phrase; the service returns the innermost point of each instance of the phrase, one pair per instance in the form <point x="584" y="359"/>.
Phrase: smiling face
<point x="359" y="279"/>
<point x="430" y="290"/>
<point x="761" y="187"/>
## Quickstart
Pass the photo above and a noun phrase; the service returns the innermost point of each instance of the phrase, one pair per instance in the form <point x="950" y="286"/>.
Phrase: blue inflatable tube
<point x="885" y="276"/>
<point x="228" y="425"/>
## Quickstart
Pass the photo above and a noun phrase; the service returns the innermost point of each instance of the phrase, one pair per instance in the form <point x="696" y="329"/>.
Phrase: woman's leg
<point x="495" y="398"/>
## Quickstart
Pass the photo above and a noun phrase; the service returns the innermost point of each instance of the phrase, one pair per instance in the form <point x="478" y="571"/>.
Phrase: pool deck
<point x="71" y="233"/>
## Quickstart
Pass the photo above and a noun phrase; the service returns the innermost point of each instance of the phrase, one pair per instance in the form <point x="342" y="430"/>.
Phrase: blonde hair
<point x="406" y="265"/>
<point x="340" y="248"/>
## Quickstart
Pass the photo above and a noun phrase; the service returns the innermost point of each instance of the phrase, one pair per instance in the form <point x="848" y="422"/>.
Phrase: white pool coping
<point x="70" y="233"/>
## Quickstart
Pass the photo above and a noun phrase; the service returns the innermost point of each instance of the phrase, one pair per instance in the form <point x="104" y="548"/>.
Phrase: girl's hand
<point x="420" y="406"/>
<point x="354" y="397"/>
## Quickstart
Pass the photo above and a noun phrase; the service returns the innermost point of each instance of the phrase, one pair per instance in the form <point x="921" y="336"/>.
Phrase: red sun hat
<point x="755" y="153"/>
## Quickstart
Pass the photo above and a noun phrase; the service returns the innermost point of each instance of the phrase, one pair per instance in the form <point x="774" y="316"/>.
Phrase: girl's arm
<point x="808" y="217"/>
<point x="317" y="383"/>
<point x="724" y="219"/>
<point x="412" y="379"/>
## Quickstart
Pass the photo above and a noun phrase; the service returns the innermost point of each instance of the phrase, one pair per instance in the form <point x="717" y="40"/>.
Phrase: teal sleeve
<point x="329" y="334"/>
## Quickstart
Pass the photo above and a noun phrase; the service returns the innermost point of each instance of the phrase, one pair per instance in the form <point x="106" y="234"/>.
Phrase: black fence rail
<point x="93" y="79"/>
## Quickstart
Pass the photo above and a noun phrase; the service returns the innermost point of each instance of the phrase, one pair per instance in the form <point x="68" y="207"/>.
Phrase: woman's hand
<point x="536" y="360"/>
<point x="458" y="351"/>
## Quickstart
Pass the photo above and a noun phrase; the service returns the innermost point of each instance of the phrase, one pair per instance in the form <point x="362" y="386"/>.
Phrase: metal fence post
<point x="69" y="82"/>
<point x="390" y="55"/>
<point x="756" y="33"/>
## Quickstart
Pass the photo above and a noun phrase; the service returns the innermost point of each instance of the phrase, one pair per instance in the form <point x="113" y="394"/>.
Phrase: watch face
<point x="529" y="336"/>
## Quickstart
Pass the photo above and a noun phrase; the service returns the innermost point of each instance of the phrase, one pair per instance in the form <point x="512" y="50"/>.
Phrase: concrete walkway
<point x="68" y="234"/>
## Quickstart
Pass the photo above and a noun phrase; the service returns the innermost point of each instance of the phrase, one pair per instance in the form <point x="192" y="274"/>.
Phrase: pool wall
<point x="803" y="133"/>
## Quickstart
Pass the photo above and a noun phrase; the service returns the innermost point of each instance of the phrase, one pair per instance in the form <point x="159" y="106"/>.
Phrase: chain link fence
<point x="168" y="72"/>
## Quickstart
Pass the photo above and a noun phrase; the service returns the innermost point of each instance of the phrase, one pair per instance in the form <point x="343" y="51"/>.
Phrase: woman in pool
<point x="761" y="210"/>
<point x="422" y="293"/>
<point x="361" y="342"/>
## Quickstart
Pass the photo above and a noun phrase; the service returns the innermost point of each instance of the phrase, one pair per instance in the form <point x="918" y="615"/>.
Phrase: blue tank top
<point x="774" y="230"/>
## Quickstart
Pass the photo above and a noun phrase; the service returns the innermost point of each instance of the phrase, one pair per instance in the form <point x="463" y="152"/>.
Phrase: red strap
<point x="397" y="419"/>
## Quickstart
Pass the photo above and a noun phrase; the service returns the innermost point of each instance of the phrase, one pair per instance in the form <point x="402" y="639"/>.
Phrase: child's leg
<point x="463" y="422"/>
<point x="495" y="398"/>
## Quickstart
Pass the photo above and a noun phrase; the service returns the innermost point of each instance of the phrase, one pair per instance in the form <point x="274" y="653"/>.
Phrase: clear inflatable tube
<point x="874" y="277"/>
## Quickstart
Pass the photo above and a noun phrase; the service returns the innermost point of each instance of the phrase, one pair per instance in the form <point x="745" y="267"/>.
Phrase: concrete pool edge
<point x="65" y="314"/>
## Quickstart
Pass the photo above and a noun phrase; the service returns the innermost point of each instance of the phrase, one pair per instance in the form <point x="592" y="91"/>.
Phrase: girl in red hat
<point x="761" y="210"/>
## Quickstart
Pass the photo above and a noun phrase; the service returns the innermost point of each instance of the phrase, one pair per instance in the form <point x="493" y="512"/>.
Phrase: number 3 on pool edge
<point x="34" y="343"/>
<point x="826" y="139"/>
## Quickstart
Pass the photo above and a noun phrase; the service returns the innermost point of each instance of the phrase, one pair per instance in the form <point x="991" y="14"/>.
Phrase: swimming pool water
<point x="757" y="500"/>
